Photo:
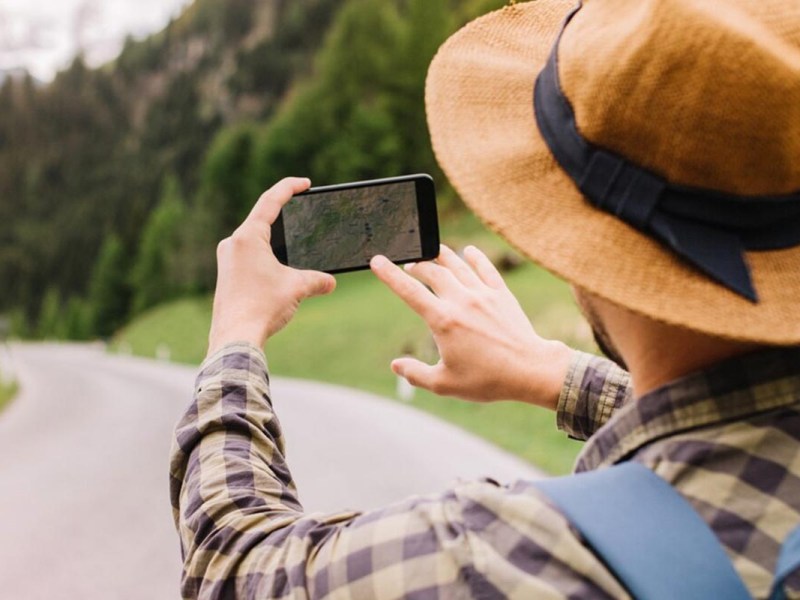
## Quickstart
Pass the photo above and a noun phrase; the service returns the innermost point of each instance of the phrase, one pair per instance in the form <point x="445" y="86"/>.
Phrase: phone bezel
<point x="426" y="208"/>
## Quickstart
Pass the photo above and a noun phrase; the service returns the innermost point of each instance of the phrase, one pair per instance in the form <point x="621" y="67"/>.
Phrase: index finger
<point x="419" y="298"/>
<point x="269" y="205"/>
<point x="449" y="259"/>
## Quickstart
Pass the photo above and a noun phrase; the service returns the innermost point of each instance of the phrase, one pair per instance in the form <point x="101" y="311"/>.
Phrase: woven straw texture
<point x="704" y="93"/>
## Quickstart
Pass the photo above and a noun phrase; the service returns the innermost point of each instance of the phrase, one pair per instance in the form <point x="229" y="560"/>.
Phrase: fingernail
<point x="379" y="261"/>
<point x="409" y="266"/>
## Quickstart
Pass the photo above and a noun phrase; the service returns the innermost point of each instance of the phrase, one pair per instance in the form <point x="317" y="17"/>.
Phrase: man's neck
<point x="671" y="353"/>
<point x="657" y="353"/>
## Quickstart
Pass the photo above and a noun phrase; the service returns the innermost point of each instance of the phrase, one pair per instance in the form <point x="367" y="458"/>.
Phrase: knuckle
<point x="489" y="297"/>
<point x="445" y="322"/>
<point x="439" y="386"/>
<point x="474" y="301"/>
<point x="305" y="285"/>
<point x="239" y="238"/>
<point x="425" y="266"/>
<point x="283" y="187"/>
<point x="223" y="246"/>
<point x="409" y="289"/>
<point x="421" y="270"/>
<point x="413" y="379"/>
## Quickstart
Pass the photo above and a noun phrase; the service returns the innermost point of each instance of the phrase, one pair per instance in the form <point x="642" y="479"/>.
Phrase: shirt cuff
<point x="234" y="360"/>
<point x="234" y="348"/>
<point x="593" y="389"/>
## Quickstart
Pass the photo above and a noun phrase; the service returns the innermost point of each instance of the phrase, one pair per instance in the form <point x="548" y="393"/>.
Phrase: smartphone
<point x="339" y="228"/>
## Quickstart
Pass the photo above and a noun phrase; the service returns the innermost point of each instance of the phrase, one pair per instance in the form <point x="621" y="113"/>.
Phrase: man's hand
<point x="489" y="350"/>
<point x="256" y="295"/>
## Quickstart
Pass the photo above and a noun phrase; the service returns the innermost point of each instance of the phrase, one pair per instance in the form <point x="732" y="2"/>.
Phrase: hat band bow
<point x="709" y="229"/>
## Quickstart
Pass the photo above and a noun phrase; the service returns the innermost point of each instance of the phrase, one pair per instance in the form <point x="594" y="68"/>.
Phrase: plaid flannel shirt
<point x="728" y="438"/>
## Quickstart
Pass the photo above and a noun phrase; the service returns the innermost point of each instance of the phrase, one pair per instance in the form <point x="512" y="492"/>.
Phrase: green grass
<point x="7" y="392"/>
<point x="182" y="326"/>
<point x="350" y="338"/>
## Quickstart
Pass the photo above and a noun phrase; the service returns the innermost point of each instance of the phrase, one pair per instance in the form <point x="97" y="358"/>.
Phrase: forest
<point x="116" y="183"/>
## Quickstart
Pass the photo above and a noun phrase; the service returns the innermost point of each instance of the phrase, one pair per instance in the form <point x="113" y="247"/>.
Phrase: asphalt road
<point x="84" y="508"/>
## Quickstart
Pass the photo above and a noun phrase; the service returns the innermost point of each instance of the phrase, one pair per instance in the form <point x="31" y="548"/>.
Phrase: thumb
<point x="317" y="283"/>
<point x="416" y="372"/>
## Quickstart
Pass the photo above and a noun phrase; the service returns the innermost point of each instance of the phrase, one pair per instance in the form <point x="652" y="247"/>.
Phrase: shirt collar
<point x="734" y="389"/>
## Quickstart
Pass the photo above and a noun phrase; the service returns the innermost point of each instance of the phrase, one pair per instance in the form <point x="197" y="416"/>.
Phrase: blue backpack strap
<point x="647" y="534"/>
<point x="788" y="563"/>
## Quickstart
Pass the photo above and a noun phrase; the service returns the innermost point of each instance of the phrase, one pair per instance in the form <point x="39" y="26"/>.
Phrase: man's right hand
<point x="256" y="296"/>
<point x="489" y="350"/>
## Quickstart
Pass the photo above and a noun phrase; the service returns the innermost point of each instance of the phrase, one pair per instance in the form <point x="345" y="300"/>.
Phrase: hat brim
<point x="479" y="100"/>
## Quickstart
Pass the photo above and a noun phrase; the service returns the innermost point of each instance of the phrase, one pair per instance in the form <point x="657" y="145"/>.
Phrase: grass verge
<point x="7" y="392"/>
<point x="350" y="338"/>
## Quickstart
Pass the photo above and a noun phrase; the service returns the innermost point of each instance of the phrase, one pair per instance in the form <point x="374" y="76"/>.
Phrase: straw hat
<point x="660" y="165"/>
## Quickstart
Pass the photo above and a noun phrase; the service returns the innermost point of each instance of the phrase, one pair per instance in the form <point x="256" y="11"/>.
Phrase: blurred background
<point x="135" y="134"/>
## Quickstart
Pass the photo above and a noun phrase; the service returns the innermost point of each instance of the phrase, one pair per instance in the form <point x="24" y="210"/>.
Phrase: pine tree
<point x="426" y="25"/>
<point x="227" y="181"/>
<point x="109" y="293"/>
<point x="50" y="324"/>
<point x="150" y="278"/>
<point x="77" y="320"/>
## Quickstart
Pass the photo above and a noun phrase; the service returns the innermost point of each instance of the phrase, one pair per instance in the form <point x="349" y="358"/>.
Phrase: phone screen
<point x="343" y="229"/>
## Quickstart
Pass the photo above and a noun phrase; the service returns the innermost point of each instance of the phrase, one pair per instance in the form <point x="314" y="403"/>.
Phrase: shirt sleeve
<point x="244" y="533"/>
<point x="594" y="388"/>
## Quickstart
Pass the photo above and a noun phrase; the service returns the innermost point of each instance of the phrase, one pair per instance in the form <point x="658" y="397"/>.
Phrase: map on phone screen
<point x="345" y="228"/>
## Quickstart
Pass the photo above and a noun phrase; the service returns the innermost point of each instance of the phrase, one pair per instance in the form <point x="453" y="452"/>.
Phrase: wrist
<point x="546" y="378"/>
<point x="226" y="336"/>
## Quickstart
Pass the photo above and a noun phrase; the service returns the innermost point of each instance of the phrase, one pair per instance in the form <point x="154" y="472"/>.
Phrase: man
<point x="655" y="167"/>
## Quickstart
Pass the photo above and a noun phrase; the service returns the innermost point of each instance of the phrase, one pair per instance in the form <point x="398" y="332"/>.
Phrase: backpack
<point x="652" y="539"/>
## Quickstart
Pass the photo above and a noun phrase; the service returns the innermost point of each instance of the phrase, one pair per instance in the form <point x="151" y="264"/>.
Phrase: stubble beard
<point x="606" y="346"/>
<point x="601" y="337"/>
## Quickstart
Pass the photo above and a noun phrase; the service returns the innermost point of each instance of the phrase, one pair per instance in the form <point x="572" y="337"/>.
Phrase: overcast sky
<point x="44" y="35"/>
